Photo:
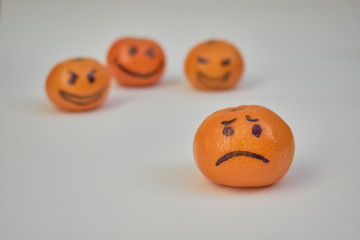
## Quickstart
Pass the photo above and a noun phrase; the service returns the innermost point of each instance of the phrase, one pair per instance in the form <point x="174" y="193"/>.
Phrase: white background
<point x="126" y="171"/>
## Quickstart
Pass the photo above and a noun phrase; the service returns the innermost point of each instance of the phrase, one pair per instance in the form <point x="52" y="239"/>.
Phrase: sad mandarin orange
<point x="245" y="146"/>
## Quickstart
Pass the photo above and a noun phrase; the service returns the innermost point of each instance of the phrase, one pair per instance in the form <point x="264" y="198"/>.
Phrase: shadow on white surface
<point x="187" y="179"/>
<point x="247" y="83"/>
<point x="163" y="84"/>
<point x="299" y="176"/>
<point x="114" y="101"/>
<point x="44" y="106"/>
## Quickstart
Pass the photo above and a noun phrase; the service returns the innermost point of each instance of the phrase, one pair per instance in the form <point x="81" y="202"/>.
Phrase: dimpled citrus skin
<point x="275" y="143"/>
<point x="213" y="69"/>
<point x="59" y="79"/>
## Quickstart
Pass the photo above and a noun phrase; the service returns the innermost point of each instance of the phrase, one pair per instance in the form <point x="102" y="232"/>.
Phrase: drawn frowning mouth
<point x="81" y="100"/>
<point x="136" y="74"/>
<point x="240" y="153"/>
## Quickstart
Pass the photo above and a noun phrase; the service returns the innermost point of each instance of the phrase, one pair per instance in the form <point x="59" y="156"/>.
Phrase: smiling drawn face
<point x="78" y="84"/>
<point x="136" y="62"/>
<point x="246" y="146"/>
<point x="214" y="65"/>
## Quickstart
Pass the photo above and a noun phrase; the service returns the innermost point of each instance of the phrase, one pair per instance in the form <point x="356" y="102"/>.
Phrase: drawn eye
<point x="256" y="130"/>
<point x="150" y="53"/>
<point x="91" y="76"/>
<point x="225" y="62"/>
<point x="228" y="131"/>
<point x="202" y="60"/>
<point x="132" y="51"/>
<point x="72" y="78"/>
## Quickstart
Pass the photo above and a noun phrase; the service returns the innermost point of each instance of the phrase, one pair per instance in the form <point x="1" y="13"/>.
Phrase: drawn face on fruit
<point x="244" y="146"/>
<point x="214" y="65"/>
<point x="136" y="62"/>
<point x="78" y="84"/>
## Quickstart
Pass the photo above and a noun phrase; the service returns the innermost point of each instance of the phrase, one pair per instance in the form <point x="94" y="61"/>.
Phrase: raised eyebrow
<point x="92" y="71"/>
<point x="228" y="122"/>
<point x="202" y="59"/>
<point x="251" y="119"/>
<point x="72" y="73"/>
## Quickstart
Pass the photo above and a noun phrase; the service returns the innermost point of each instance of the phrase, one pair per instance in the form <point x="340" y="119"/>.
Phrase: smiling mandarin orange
<point x="136" y="61"/>
<point x="78" y="84"/>
<point x="245" y="146"/>
<point x="214" y="65"/>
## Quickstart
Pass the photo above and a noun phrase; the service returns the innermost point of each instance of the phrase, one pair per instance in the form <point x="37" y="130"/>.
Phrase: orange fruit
<point x="245" y="146"/>
<point x="136" y="61"/>
<point x="214" y="65"/>
<point x="78" y="84"/>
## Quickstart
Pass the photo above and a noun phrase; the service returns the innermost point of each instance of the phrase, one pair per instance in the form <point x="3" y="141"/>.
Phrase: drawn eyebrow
<point x="202" y="60"/>
<point x="72" y="73"/>
<point x="228" y="122"/>
<point x="92" y="71"/>
<point x="250" y="119"/>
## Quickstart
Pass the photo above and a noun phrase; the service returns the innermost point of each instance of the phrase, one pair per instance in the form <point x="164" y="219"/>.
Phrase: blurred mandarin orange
<point x="136" y="61"/>
<point x="214" y="65"/>
<point x="78" y="84"/>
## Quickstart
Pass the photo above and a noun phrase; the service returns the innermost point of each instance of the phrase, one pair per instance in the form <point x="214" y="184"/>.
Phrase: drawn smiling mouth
<point x="211" y="80"/>
<point x="240" y="153"/>
<point x="136" y="74"/>
<point x="81" y="100"/>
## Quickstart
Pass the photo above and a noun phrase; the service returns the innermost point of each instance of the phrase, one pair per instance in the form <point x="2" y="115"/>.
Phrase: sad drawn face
<point x="78" y="84"/>
<point x="244" y="146"/>
<point x="136" y="62"/>
<point x="228" y="131"/>
<point x="214" y="65"/>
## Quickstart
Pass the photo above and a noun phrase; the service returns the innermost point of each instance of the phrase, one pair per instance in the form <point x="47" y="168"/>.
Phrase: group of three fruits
<point x="245" y="146"/>
<point x="82" y="83"/>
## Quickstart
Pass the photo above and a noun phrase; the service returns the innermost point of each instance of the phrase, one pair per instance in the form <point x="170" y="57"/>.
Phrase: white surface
<point x="126" y="171"/>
